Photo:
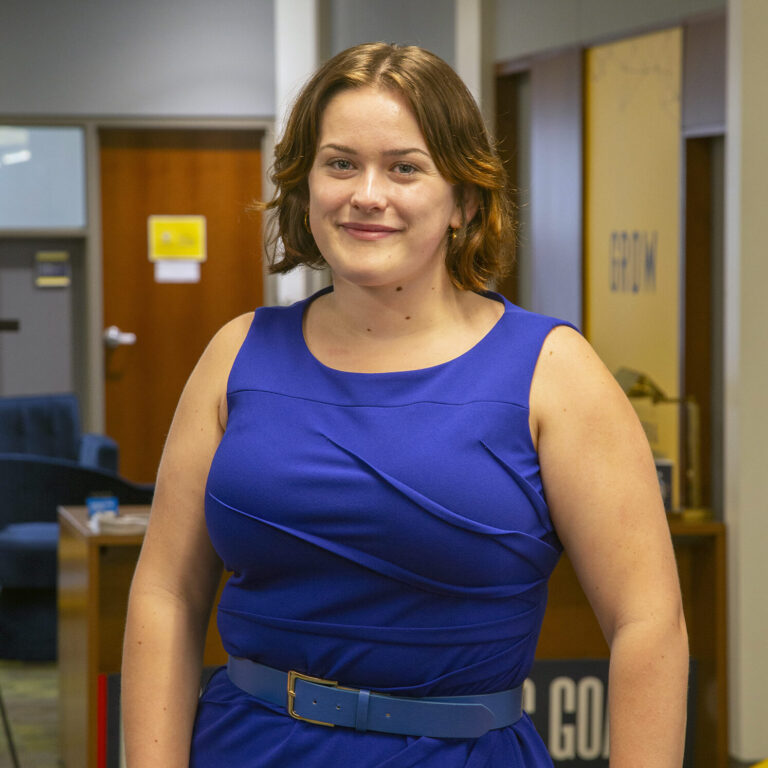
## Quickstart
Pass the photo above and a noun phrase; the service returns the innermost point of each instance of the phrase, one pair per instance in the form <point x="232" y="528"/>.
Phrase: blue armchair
<point x="44" y="462"/>
<point x="31" y="489"/>
<point x="49" y="425"/>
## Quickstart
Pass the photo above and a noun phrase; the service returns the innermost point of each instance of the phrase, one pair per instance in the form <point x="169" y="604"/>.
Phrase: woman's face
<point x="379" y="209"/>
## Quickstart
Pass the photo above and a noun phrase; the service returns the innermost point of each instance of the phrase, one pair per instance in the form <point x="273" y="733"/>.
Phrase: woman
<point x="389" y="469"/>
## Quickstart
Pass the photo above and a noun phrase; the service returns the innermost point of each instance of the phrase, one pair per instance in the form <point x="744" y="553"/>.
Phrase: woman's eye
<point x="406" y="169"/>
<point x="340" y="165"/>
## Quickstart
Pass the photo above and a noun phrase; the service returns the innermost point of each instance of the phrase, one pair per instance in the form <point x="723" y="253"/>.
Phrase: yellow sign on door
<point x="176" y="237"/>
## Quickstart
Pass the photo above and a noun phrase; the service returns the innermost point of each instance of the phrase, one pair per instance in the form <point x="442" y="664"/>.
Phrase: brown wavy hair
<point x="454" y="132"/>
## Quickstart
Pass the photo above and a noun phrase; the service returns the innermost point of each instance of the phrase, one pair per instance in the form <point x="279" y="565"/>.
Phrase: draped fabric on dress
<point x="388" y="531"/>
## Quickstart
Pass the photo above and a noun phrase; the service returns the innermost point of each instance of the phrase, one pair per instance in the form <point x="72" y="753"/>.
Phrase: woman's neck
<point x="394" y="311"/>
<point x="377" y="329"/>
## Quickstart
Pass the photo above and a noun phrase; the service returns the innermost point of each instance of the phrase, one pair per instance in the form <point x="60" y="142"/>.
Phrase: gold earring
<point x="452" y="233"/>
<point x="306" y="222"/>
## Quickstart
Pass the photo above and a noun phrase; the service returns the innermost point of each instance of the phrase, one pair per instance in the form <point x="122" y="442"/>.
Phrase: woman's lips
<point x="367" y="231"/>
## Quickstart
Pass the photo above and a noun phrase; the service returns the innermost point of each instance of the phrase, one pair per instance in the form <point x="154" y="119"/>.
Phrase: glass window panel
<point x="42" y="177"/>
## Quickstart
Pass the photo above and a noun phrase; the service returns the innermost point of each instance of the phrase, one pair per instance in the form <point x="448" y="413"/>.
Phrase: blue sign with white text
<point x="567" y="700"/>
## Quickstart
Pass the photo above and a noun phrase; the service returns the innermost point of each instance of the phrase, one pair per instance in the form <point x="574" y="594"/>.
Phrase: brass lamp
<point x="637" y="385"/>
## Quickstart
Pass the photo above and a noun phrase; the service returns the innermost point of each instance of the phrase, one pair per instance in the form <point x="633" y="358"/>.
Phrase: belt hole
<point x="338" y="706"/>
<point x="314" y="701"/>
<point x="387" y="715"/>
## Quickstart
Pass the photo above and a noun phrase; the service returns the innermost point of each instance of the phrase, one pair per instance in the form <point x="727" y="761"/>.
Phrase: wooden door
<point x="211" y="173"/>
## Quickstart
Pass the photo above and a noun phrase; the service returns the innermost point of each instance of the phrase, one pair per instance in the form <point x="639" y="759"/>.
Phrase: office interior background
<point x="88" y="87"/>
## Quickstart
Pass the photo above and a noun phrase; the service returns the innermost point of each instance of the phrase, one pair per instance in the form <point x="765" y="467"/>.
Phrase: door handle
<point x="114" y="337"/>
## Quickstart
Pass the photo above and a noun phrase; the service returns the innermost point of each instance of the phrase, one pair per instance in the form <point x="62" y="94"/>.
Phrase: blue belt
<point x="324" y="702"/>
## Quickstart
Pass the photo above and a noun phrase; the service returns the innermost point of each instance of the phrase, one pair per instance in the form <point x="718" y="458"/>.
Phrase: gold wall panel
<point x="632" y="217"/>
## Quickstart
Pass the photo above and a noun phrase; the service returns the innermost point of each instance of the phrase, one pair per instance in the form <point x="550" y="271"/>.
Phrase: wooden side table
<point x="95" y="572"/>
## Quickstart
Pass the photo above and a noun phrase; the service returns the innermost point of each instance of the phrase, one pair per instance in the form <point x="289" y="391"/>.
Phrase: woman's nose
<point x="368" y="193"/>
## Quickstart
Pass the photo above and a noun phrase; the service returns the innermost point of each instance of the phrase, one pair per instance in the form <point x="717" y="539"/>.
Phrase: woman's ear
<point x="467" y="203"/>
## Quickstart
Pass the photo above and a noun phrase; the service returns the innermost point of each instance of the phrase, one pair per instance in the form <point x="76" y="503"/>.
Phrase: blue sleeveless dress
<point x="385" y="530"/>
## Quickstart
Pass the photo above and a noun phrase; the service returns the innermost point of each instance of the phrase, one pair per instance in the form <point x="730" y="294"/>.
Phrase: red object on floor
<point x="101" y="723"/>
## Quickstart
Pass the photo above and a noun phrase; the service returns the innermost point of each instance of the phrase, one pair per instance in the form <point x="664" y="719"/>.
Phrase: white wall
<point x="531" y="26"/>
<point x="746" y="376"/>
<point x="143" y="57"/>
<point x="428" y="23"/>
<point x="468" y="41"/>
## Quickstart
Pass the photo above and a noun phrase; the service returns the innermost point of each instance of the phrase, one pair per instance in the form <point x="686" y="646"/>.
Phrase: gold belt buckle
<point x="292" y="678"/>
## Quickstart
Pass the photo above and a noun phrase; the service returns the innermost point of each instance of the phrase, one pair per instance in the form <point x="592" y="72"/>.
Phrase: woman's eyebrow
<point x="387" y="153"/>
<point x="408" y="151"/>
<point x="338" y="148"/>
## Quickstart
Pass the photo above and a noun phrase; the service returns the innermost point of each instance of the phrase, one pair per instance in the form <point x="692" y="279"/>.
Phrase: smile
<point x="368" y="231"/>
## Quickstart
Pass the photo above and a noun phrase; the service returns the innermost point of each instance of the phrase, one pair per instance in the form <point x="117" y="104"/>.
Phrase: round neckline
<point x="303" y="305"/>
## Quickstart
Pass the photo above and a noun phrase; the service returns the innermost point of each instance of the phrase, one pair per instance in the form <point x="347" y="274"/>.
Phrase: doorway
<point x="39" y="315"/>
<point x="703" y="362"/>
<point x="167" y="321"/>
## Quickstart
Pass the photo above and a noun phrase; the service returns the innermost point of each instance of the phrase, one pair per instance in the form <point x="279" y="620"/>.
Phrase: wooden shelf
<point x="570" y="630"/>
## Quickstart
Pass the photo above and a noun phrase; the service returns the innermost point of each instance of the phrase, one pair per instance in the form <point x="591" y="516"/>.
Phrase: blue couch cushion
<point x="28" y="555"/>
<point x="98" y="451"/>
<point x="47" y="425"/>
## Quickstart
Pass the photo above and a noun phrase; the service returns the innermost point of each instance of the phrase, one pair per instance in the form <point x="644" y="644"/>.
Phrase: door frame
<point x="88" y="354"/>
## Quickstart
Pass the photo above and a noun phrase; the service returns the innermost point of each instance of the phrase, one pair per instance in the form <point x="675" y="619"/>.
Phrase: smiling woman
<point x="383" y="217"/>
<point x="379" y="209"/>
<point x="449" y="130"/>
<point x="390" y="468"/>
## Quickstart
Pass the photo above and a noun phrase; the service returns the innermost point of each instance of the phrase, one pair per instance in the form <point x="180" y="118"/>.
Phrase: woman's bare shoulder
<point x="569" y="381"/>
<point x="566" y="349"/>
<point x="229" y="338"/>
<point x="212" y="370"/>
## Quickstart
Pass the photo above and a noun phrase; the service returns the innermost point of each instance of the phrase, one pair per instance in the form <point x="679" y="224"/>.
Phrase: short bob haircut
<point x="454" y="132"/>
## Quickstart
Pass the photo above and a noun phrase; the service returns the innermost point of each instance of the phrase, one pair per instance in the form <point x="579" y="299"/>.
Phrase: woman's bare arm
<point x="603" y="493"/>
<point x="177" y="574"/>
